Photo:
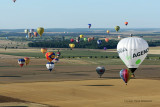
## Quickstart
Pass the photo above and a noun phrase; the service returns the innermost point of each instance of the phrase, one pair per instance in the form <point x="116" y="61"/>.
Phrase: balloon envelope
<point x="89" y="26"/>
<point x="72" y="40"/>
<point x="117" y="28"/>
<point x="125" y="74"/>
<point x="132" y="51"/>
<point x="21" y="62"/>
<point x="100" y="70"/>
<point x="27" y="60"/>
<point x="85" y="39"/>
<point x="71" y="45"/>
<point x="35" y="34"/>
<point x="40" y="31"/>
<point x="43" y="50"/>
<point x="99" y="42"/>
<point x="50" y="66"/>
<point x="81" y="36"/>
<point x="50" y="56"/>
<point x="126" y="23"/>
<point x="105" y="48"/>
<point x="106" y="39"/>
<point x="108" y="31"/>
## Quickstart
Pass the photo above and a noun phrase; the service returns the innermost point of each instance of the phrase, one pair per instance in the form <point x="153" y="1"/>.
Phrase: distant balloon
<point x="85" y="39"/>
<point x="125" y="74"/>
<point x="50" y="56"/>
<point x="43" y="50"/>
<point x="50" y="66"/>
<point x="119" y="37"/>
<point x="29" y="34"/>
<point x="99" y="42"/>
<point x="89" y="39"/>
<point x="100" y="71"/>
<point x="26" y="31"/>
<point x="55" y="60"/>
<point x="108" y="31"/>
<point x="35" y="34"/>
<point x="92" y="38"/>
<point x="105" y="48"/>
<point x="126" y="23"/>
<point x="21" y="62"/>
<point x="72" y="45"/>
<point x="77" y="39"/>
<point x="31" y="30"/>
<point x="106" y="39"/>
<point x="58" y="54"/>
<point x="81" y="36"/>
<point x="14" y="1"/>
<point x="132" y="51"/>
<point x="117" y="28"/>
<point x="27" y="60"/>
<point x="40" y="31"/>
<point x="89" y="26"/>
<point x="72" y="40"/>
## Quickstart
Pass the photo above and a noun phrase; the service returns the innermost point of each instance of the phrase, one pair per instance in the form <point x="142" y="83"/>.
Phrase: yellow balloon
<point x="43" y="50"/>
<point x="27" y="60"/>
<point x="71" y="45"/>
<point x="40" y="31"/>
<point x="108" y="31"/>
<point x="81" y="36"/>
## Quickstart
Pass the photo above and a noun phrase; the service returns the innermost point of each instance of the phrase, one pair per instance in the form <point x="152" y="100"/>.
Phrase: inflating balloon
<point x="27" y="60"/>
<point x="21" y="62"/>
<point x="81" y="36"/>
<point x="99" y="42"/>
<point x="72" y="40"/>
<point x="43" y="50"/>
<point x="126" y="23"/>
<point x="106" y="39"/>
<point x="125" y="74"/>
<point x="50" y="66"/>
<point x="100" y="71"/>
<point x="50" y="56"/>
<point x="40" y="31"/>
<point x="71" y="45"/>
<point x="117" y="28"/>
<point x="132" y="51"/>
<point x="89" y="26"/>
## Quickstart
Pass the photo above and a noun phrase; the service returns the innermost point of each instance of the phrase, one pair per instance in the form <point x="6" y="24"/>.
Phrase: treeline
<point x="112" y="44"/>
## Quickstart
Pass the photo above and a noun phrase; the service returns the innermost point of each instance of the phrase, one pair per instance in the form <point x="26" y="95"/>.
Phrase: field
<point x="74" y="81"/>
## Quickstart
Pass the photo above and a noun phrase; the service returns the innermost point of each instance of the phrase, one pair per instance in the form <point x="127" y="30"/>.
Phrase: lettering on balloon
<point x="121" y="50"/>
<point x="140" y="53"/>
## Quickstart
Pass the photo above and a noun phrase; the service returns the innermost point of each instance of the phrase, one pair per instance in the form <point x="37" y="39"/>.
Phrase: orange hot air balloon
<point x="126" y="23"/>
<point x="50" y="56"/>
<point x="35" y="34"/>
<point x="27" y="60"/>
<point x="89" y="39"/>
<point x="106" y="39"/>
<point x="43" y="50"/>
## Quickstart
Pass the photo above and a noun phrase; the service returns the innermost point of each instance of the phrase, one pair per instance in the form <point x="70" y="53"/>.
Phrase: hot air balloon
<point x="126" y="23"/>
<point x="99" y="42"/>
<point x="21" y="62"/>
<point x="50" y="66"/>
<point x="105" y="48"/>
<point x="132" y="51"/>
<point x="125" y="74"/>
<point x="40" y="31"/>
<point x="50" y="56"/>
<point x="35" y="34"/>
<point x="58" y="54"/>
<point x="31" y="30"/>
<point x="14" y="1"/>
<point x="106" y="39"/>
<point x="85" y="39"/>
<point x="72" y="40"/>
<point x="43" y="50"/>
<point x="89" y="26"/>
<point x="89" y="39"/>
<point x="29" y="34"/>
<point x="100" y="70"/>
<point x="117" y="28"/>
<point x="72" y="45"/>
<point x="119" y="37"/>
<point x="92" y="38"/>
<point x="81" y="36"/>
<point x="108" y="31"/>
<point x="27" y="60"/>
<point x="77" y="39"/>
<point x="26" y="31"/>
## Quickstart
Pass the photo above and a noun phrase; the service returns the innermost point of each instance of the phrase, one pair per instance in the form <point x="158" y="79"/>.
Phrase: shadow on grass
<point x="10" y="76"/>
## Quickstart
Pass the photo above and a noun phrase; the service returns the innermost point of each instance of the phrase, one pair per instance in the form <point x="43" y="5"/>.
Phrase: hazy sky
<point x="78" y="13"/>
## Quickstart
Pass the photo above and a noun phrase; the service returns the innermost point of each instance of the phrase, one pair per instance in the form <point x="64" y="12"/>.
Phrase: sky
<point x="26" y="14"/>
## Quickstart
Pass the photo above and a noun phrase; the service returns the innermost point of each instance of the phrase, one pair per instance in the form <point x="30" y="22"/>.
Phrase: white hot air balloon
<point x="50" y="66"/>
<point x="132" y="51"/>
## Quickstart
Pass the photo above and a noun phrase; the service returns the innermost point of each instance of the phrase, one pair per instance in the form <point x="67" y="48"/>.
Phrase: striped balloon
<point x="125" y="74"/>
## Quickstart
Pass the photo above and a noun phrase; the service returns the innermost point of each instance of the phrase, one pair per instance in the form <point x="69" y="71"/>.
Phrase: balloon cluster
<point x="23" y="61"/>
